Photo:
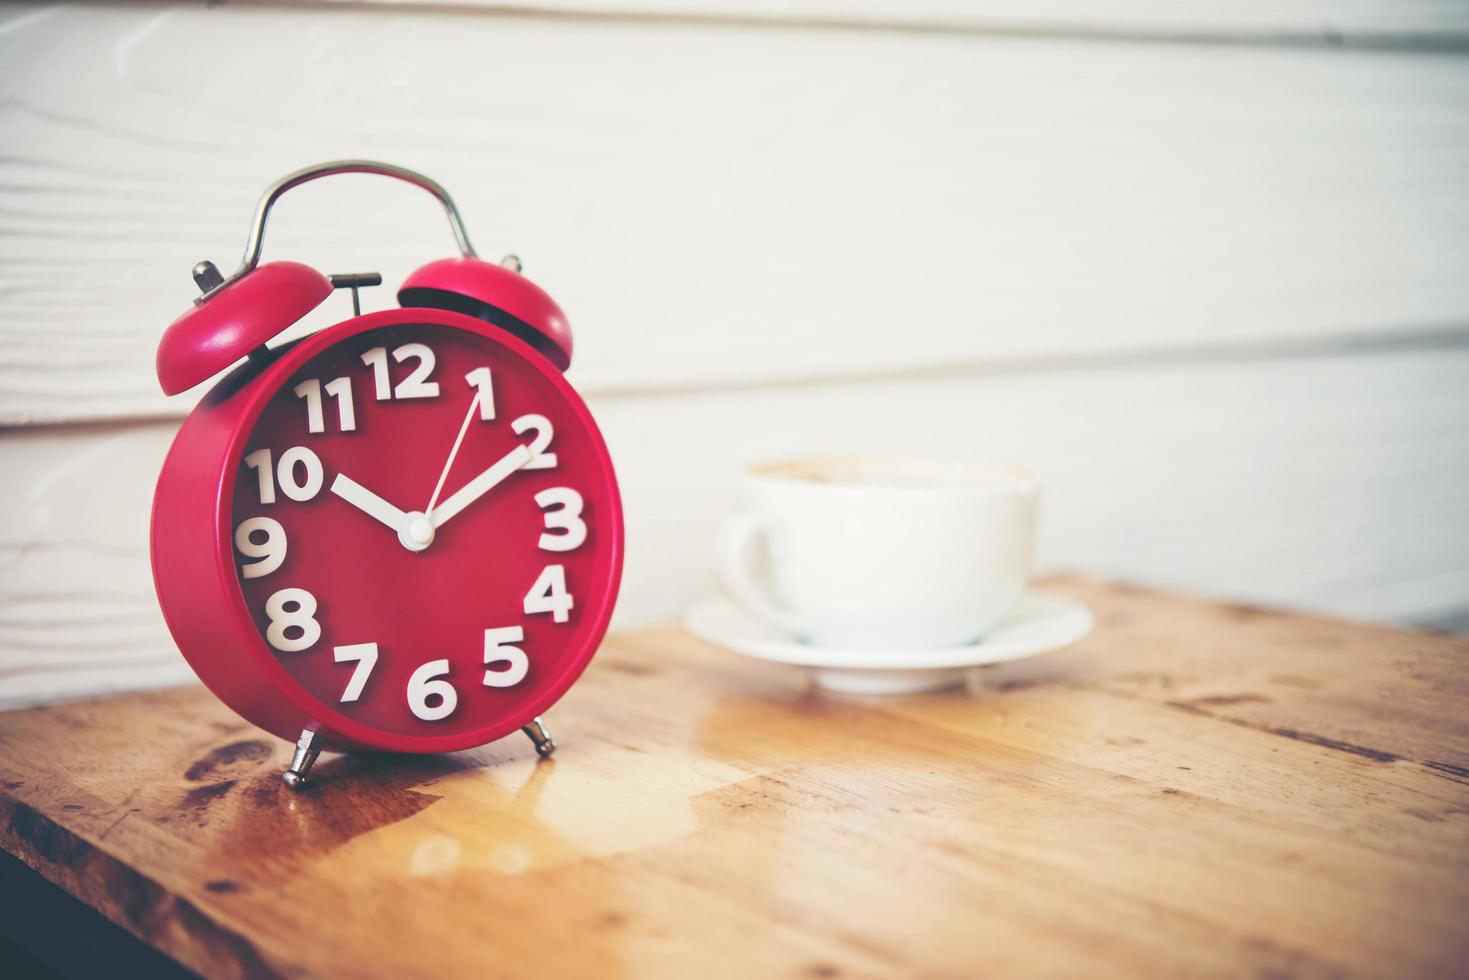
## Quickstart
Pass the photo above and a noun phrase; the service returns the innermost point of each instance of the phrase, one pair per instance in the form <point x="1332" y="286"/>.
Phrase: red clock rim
<point x="326" y="717"/>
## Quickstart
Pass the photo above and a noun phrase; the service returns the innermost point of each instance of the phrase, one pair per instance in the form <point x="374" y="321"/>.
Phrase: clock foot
<point x="308" y="747"/>
<point x="537" y="733"/>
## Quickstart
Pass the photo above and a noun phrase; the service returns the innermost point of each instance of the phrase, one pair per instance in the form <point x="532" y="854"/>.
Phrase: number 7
<point x="366" y="656"/>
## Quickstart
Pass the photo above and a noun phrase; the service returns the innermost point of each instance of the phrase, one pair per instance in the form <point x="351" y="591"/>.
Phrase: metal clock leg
<point x="537" y="733"/>
<point x="308" y="747"/>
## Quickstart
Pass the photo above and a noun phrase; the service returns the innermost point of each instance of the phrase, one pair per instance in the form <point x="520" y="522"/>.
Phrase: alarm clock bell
<point x="235" y="318"/>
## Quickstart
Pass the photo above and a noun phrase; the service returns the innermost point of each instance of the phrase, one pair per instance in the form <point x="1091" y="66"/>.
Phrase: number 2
<point x="541" y="426"/>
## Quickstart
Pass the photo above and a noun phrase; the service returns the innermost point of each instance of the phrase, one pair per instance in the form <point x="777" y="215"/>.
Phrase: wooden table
<point x="1196" y="788"/>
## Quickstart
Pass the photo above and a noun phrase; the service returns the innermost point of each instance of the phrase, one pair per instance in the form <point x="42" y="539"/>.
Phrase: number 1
<point x="479" y="378"/>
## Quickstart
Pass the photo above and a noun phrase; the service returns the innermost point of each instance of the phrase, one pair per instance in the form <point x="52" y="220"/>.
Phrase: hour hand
<point x="480" y="485"/>
<point x="368" y="502"/>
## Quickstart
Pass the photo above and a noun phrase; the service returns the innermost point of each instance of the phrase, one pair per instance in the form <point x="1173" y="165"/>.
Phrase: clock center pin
<point x="417" y="533"/>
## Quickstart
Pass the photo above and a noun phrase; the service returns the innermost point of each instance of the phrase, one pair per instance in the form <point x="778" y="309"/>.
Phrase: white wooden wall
<point x="1204" y="266"/>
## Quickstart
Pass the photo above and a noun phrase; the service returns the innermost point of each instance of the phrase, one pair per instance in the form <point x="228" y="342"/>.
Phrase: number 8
<point x="302" y="617"/>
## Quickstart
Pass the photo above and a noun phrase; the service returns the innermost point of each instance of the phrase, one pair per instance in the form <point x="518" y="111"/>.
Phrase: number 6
<point x="426" y="682"/>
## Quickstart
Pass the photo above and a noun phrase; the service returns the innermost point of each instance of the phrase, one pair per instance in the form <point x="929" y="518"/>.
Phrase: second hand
<point x="449" y="463"/>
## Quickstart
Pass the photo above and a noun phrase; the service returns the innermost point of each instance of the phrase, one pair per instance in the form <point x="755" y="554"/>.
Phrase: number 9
<point x="270" y="553"/>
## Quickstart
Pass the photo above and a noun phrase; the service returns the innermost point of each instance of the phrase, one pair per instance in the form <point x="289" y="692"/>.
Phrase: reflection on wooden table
<point x="1194" y="788"/>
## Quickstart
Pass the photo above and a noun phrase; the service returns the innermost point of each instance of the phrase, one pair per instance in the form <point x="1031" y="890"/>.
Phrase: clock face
<point x="426" y="531"/>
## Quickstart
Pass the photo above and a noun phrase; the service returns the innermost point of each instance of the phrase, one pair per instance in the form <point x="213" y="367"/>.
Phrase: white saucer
<point x="1037" y="624"/>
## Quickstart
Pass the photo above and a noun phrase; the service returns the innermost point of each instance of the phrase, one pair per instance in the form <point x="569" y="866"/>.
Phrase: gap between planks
<point x="1454" y="336"/>
<point x="1327" y="36"/>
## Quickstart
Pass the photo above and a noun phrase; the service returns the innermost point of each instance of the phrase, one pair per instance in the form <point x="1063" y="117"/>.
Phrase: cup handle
<point x="733" y="561"/>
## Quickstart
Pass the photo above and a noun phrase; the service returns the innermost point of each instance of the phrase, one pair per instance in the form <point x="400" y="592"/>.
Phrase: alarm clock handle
<point x="256" y="242"/>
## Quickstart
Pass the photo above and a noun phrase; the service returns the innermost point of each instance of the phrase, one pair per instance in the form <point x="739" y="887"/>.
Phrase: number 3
<point x="566" y="517"/>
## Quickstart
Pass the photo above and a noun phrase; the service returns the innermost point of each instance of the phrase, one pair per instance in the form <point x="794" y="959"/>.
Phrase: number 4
<point x="549" y="594"/>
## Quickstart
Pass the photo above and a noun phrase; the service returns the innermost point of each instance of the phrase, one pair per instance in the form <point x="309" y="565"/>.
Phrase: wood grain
<point x="867" y="204"/>
<point x="1196" y="789"/>
<point x="1335" y="484"/>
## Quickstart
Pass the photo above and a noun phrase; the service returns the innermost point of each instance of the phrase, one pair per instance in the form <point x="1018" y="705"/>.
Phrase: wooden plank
<point x="1323" y="22"/>
<point x="1040" y="824"/>
<point x="867" y="204"/>
<point x="1334" y="485"/>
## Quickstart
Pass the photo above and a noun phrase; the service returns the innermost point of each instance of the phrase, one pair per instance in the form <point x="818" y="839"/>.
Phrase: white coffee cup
<point x="881" y="553"/>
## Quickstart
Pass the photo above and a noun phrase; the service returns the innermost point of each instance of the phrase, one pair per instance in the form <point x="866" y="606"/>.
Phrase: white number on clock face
<point x="298" y="475"/>
<point x="341" y="390"/>
<point x="365" y="654"/>
<point x="549" y="594"/>
<point x="480" y="380"/>
<point x="309" y="465"/>
<point x="498" y="650"/>
<point x="292" y="609"/>
<point x="269" y="552"/>
<point x="430" y="696"/>
<point x="541" y="426"/>
<point x="428" y="682"/>
<point x="563" y="513"/>
<point x="416" y="385"/>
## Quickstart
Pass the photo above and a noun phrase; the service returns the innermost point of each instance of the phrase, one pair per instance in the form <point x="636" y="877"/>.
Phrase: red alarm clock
<point x="402" y="532"/>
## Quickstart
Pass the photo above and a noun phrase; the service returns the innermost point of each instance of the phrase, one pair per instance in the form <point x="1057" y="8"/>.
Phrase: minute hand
<point x="480" y="485"/>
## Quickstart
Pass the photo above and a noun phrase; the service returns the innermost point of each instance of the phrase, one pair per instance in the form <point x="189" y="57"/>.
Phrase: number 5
<point x="498" y="650"/>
